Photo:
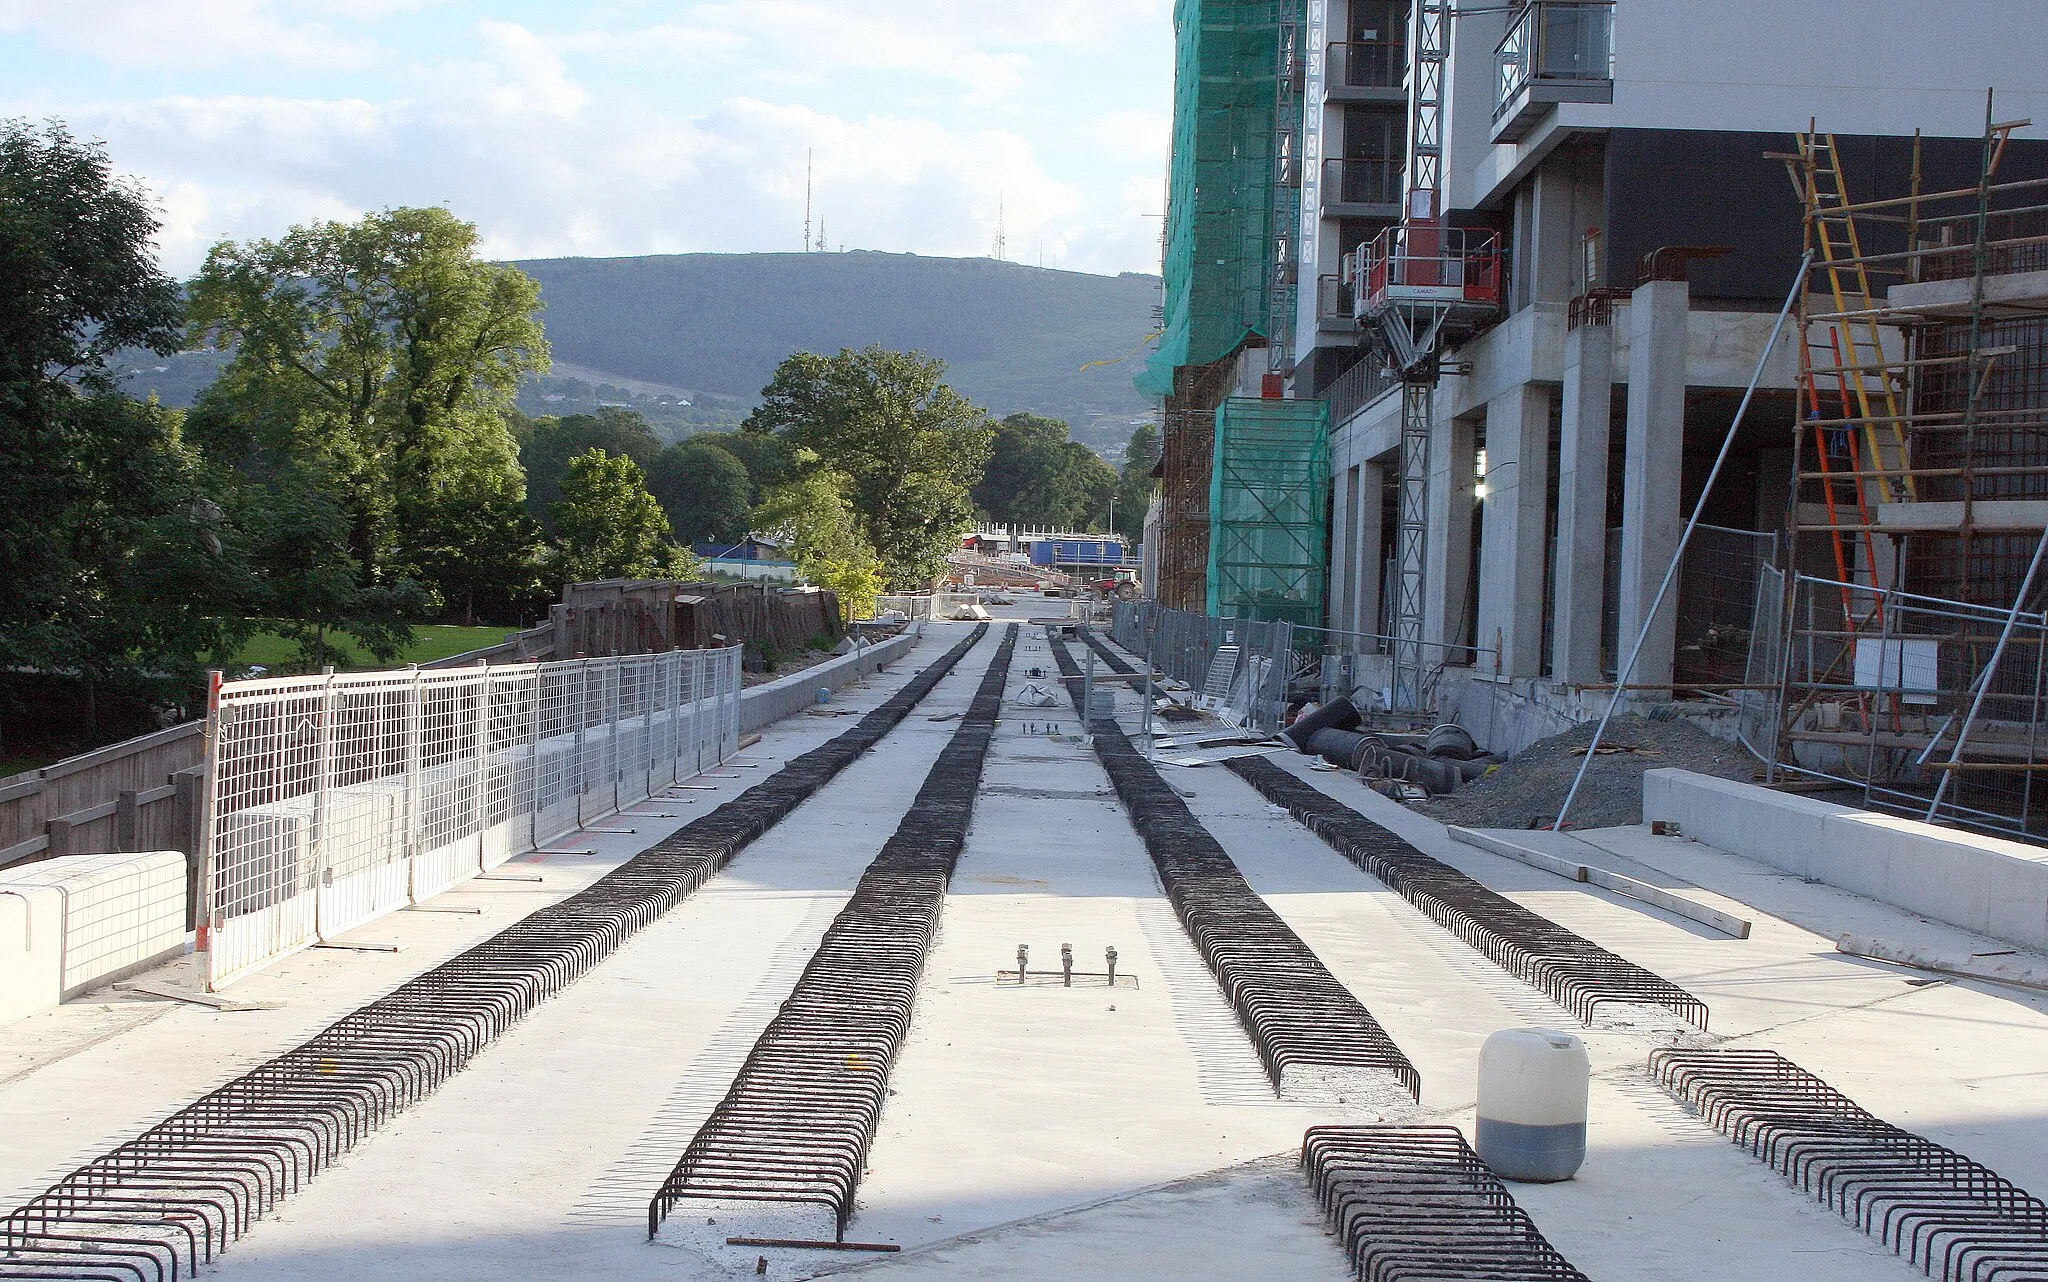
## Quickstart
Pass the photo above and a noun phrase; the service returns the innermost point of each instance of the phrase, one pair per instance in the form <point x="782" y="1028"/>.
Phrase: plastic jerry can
<point x="1533" y="1085"/>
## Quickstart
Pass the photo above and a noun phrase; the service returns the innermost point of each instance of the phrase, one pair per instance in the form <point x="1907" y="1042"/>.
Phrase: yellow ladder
<point x="1864" y="365"/>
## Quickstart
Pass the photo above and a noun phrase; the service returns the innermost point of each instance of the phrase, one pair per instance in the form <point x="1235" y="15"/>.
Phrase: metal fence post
<point x="582" y="720"/>
<point x="414" y="714"/>
<point x="323" y="776"/>
<point x="208" y="924"/>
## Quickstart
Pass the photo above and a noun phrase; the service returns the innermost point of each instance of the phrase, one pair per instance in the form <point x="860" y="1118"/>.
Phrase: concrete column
<point x="1650" y="520"/>
<point x="1511" y="580"/>
<point x="1368" y="556"/>
<point x="1582" y="503"/>
<point x="1343" y="552"/>
<point x="1448" y="559"/>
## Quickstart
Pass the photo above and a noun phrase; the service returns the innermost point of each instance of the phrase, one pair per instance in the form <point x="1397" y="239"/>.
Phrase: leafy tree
<point x="609" y="527"/>
<point x="484" y="551"/>
<point x="118" y="566"/>
<point x="1135" y="485"/>
<point x="703" y="489"/>
<point x="310" y="588"/>
<point x="909" y="446"/>
<point x="767" y="459"/>
<point x="817" y="525"/>
<point x="383" y="353"/>
<point x="545" y="454"/>
<point x="1036" y="476"/>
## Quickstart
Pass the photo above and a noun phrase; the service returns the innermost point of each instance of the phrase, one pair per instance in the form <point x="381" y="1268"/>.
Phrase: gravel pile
<point x="1531" y="785"/>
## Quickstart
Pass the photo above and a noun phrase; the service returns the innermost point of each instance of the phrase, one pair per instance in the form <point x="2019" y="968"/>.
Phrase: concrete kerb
<point x="787" y="696"/>
<point x="1979" y="883"/>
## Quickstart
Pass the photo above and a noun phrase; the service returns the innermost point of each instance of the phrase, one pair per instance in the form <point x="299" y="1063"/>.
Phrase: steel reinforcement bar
<point x="1305" y="1024"/>
<point x="1955" y="1218"/>
<point x="1570" y="969"/>
<point x="791" y="1136"/>
<point x="1415" y="1202"/>
<point x="157" y="1206"/>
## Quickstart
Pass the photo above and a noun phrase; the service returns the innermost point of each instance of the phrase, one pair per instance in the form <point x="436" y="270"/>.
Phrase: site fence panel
<point x="1882" y="684"/>
<point x="1717" y="586"/>
<point x="1238" y="668"/>
<point x="338" y="798"/>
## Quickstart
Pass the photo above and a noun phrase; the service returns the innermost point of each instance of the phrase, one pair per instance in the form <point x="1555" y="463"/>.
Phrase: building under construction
<point x="1532" y="258"/>
<point x="1909" y="661"/>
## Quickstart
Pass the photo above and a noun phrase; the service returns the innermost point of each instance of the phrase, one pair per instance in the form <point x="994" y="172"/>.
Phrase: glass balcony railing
<point x="1368" y="64"/>
<point x="1362" y="182"/>
<point x="1551" y="40"/>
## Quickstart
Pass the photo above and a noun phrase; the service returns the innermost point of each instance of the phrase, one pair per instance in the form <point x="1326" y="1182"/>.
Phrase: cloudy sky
<point x="625" y="126"/>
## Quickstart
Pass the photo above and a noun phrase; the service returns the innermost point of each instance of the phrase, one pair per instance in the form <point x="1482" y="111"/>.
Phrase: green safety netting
<point x="1219" y="208"/>
<point x="1269" y="510"/>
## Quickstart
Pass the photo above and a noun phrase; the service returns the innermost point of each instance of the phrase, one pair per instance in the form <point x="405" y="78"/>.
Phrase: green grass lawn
<point x="429" y="642"/>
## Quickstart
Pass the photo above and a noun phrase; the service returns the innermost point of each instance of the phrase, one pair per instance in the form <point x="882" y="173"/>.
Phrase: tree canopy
<point x="1036" y="476"/>
<point x="910" y="448"/>
<point x="118" y="566"/>
<point x="1135" y="484"/>
<point x="815" y="522"/>
<point x="551" y="442"/>
<point x="383" y="355"/>
<point x="610" y="527"/>
<point x="704" y="490"/>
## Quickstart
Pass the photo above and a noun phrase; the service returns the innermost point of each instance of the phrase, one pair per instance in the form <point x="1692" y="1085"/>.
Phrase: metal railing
<point x="335" y="799"/>
<point x="1369" y="64"/>
<point x="1362" y="181"/>
<point x="1877" y="686"/>
<point x="1552" y="40"/>
<point x="1238" y="668"/>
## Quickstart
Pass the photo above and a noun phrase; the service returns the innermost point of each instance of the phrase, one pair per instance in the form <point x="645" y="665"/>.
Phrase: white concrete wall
<point x="1985" y="884"/>
<point x="787" y="696"/>
<point x="1872" y="67"/>
<point x="74" y="923"/>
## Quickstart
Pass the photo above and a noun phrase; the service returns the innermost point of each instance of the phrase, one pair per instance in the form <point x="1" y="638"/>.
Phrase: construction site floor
<point x="1042" y="1131"/>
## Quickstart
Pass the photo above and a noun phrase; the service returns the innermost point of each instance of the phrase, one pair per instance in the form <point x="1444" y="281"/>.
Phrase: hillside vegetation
<point x="1013" y="337"/>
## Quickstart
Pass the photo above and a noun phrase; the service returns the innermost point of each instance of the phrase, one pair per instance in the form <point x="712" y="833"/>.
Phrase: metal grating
<point x="1956" y="1219"/>
<point x="794" y="1128"/>
<point x="155" y="1207"/>
<point x="1308" y="1028"/>
<point x="1415" y="1202"/>
<point x="1572" y="971"/>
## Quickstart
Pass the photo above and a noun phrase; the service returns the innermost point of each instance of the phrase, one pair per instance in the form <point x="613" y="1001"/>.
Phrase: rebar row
<point x="794" y="1129"/>
<point x="157" y="1206"/>
<point x="1296" y="1013"/>
<point x="1571" y="970"/>
<point x="1415" y="1202"/>
<point x="1957" y="1219"/>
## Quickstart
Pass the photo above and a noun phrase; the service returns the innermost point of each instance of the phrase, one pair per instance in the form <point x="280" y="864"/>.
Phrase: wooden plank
<point x="24" y="850"/>
<point x="1594" y="875"/>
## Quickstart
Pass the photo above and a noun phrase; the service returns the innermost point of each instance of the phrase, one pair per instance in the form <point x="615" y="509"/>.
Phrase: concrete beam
<point x="1582" y="504"/>
<point x="1650" y="519"/>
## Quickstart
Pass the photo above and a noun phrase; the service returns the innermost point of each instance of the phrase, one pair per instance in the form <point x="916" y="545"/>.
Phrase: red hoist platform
<point x="1425" y="286"/>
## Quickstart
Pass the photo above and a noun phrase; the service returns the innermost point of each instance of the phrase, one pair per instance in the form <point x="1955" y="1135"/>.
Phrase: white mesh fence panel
<point x="336" y="799"/>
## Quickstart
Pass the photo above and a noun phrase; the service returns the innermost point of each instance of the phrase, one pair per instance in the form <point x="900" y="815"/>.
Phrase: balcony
<point x="1335" y="313"/>
<point x="1367" y="71"/>
<point x="1362" y="189"/>
<point x="1554" y="52"/>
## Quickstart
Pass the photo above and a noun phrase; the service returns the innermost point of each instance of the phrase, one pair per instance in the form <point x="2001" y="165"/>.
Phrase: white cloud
<point x="527" y="135"/>
<point x="189" y="34"/>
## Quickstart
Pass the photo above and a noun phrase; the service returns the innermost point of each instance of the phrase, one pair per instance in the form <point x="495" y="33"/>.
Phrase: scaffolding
<point x="1907" y="637"/>
<point x="1233" y="75"/>
<point x="1269" y="511"/>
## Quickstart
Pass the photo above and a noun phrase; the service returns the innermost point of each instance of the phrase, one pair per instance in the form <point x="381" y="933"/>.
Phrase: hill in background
<point x="690" y="339"/>
<point x="1015" y="337"/>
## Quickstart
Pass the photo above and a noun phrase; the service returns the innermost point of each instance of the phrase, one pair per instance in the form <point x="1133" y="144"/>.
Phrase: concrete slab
<point x="78" y="1079"/>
